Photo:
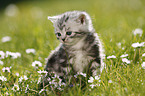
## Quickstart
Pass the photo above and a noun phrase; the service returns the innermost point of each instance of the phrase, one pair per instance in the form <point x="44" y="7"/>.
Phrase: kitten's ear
<point x="53" y="19"/>
<point x="82" y="18"/>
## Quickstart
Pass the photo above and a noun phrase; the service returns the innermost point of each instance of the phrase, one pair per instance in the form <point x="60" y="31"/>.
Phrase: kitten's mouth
<point x="69" y="42"/>
<point x="64" y="42"/>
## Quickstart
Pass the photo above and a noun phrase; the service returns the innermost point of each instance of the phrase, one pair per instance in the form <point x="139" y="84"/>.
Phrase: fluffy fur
<point x="80" y="49"/>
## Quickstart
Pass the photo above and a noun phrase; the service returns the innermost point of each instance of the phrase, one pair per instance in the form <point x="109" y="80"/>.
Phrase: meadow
<point x="27" y="37"/>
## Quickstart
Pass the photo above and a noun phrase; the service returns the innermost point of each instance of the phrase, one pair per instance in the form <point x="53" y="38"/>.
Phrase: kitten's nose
<point x="63" y="39"/>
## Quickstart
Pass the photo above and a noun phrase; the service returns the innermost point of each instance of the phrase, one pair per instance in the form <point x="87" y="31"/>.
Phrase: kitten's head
<point x="71" y="26"/>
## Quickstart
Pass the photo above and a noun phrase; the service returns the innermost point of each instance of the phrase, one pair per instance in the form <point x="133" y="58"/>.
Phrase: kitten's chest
<point x="79" y="56"/>
<point x="80" y="60"/>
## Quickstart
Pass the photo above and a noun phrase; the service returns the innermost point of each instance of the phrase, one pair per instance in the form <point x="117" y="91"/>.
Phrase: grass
<point x="113" y="20"/>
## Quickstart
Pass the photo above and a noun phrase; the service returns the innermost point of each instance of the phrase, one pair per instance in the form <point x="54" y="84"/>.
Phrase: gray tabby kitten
<point x="80" y="49"/>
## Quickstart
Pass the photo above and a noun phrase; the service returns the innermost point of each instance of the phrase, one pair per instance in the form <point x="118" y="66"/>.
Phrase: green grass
<point x="114" y="21"/>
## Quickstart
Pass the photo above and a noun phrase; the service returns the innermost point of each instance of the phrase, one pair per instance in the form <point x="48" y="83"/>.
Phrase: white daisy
<point x="123" y="48"/>
<point x="135" y="45"/>
<point x="83" y="74"/>
<point x="41" y="91"/>
<point x="25" y="77"/>
<point x="39" y="80"/>
<point x="27" y="88"/>
<point x="2" y="55"/>
<point x="138" y="31"/>
<point x="92" y="85"/>
<point x="110" y="81"/>
<point x="30" y="51"/>
<point x="42" y="72"/>
<point x="80" y="73"/>
<point x="124" y="55"/>
<point x="20" y="79"/>
<point x="7" y="94"/>
<point x="17" y="74"/>
<point x="97" y="77"/>
<point x="6" y="39"/>
<point x="109" y="57"/>
<point x="13" y="55"/>
<point x="143" y="65"/>
<point x="125" y="60"/>
<point x="119" y="45"/>
<point x="143" y="54"/>
<point x="36" y="64"/>
<point x="6" y="69"/>
<point x="2" y="78"/>
<point x="16" y="55"/>
<point x="91" y="80"/>
<point x="15" y="88"/>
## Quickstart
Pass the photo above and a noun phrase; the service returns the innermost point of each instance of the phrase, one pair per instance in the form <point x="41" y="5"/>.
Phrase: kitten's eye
<point x="58" y="34"/>
<point x="68" y="33"/>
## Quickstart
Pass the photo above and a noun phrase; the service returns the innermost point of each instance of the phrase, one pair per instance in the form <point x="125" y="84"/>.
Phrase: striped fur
<point x="80" y="49"/>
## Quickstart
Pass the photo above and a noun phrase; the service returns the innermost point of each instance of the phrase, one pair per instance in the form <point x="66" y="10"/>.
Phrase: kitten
<point x="80" y="49"/>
